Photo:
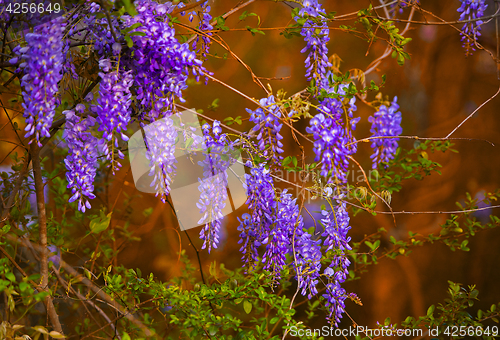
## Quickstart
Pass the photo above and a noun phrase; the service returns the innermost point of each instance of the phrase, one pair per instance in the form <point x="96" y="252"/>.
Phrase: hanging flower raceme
<point x="160" y="63"/>
<point x="262" y="204"/>
<point x="278" y="241"/>
<point x="160" y="144"/>
<point x="42" y="65"/>
<point x="205" y="27"/>
<point x="471" y="10"/>
<point x="213" y="186"/>
<point x="306" y="254"/>
<point x="330" y="145"/>
<point x="386" y="122"/>
<point x="113" y="109"/>
<point x="316" y="35"/>
<point x="336" y="226"/>
<point x="99" y="30"/>
<point x="308" y="264"/>
<point x="267" y="123"/>
<point x="81" y="161"/>
<point x="250" y="240"/>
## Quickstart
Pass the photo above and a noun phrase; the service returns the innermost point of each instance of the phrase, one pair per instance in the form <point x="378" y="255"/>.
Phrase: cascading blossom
<point x="470" y="10"/>
<point x="42" y="65"/>
<point x="307" y="260"/>
<point x="386" y="122"/>
<point x="262" y="204"/>
<point x="113" y="108"/>
<point x="330" y="146"/>
<point x="213" y="186"/>
<point x="205" y="27"/>
<point x="160" y="63"/>
<point x="316" y="34"/>
<point x="99" y="30"/>
<point x="160" y="144"/>
<point x="250" y="240"/>
<point x="336" y="226"/>
<point x="81" y="161"/>
<point x="268" y="125"/>
<point x="278" y="241"/>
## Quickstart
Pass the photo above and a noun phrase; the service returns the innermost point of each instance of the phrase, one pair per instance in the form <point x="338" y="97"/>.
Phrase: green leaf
<point x="430" y="310"/>
<point x="247" y="306"/>
<point x="100" y="223"/>
<point x="40" y="329"/>
<point x="10" y="276"/>
<point x="129" y="41"/>
<point x="139" y="33"/>
<point x="129" y="6"/>
<point x="23" y="286"/>
<point x="56" y="335"/>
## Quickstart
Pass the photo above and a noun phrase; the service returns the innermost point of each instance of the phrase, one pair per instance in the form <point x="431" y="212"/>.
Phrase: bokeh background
<point x="437" y="89"/>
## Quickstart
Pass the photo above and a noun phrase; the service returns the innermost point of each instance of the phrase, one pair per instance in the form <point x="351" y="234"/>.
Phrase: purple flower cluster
<point x="205" y="27"/>
<point x="386" y="122"/>
<point x="334" y="141"/>
<point x="100" y="32"/>
<point x="43" y="65"/>
<point x="316" y="34"/>
<point x="160" y="63"/>
<point x="278" y="240"/>
<point x="81" y="162"/>
<point x="330" y="145"/>
<point x="160" y="144"/>
<point x="213" y="186"/>
<point x="308" y="261"/>
<point x="336" y="225"/>
<point x="250" y="240"/>
<point x="113" y="108"/>
<point x="266" y="119"/>
<point x="470" y="10"/>
<point x="262" y="204"/>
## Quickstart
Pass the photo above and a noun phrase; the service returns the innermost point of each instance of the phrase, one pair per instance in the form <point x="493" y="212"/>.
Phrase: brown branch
<point x="108" y="299"/>
<point x="42" y="223"/>
<point x="225" y="15"/>
<point x="187" y="7"/>
<point x="472" y="114"/>
<point x="367" y="139"/>
<point x="90" y="302"/>
<point x="110" y="23"/>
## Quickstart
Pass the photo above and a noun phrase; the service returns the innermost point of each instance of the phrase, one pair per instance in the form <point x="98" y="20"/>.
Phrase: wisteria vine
<point x="144" y="70"/>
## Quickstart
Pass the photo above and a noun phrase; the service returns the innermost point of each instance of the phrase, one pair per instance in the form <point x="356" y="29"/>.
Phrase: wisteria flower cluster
<point x="278" y="240"/>
<point x="160" y="144"/>
<point x="144" y="71"/>
<point x="471" y="10"/>
<point x="316" y="35"/>
<point x="386" y="122"/>
<point x="113" y="109"/>
<point x="42" y="67"/>
<point x="205" y="26"/>
<point x="267" y="123"/>
<point x="336" y="225"/>
<point x="262" y="204"/>
<point x="159" y="62"/>
<point x="82" y="159"/>
<point x="213" y="185"/>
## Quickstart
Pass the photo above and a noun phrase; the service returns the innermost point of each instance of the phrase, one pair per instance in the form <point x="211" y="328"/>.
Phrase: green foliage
<point x="452" y="318"/>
